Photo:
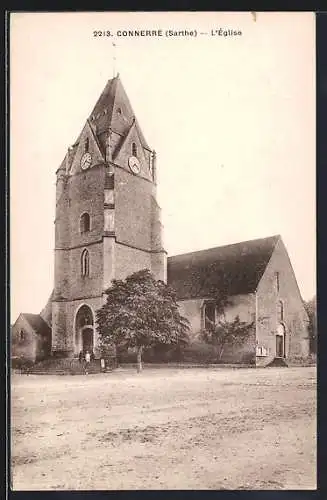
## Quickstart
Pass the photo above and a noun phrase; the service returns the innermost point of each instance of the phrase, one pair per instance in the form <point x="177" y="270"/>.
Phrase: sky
<point x="232" y="119"/>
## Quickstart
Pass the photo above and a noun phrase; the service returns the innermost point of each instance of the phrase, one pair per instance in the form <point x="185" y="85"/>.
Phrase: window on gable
<point x="85" y="263"/>
<point x="277" y="281"/>
<point x="134" y="149"/>
<point x="86" y="145"/>
<point x="22" y="336"/>
<point x="85" y="223"/>
<point x="280" y="311"/>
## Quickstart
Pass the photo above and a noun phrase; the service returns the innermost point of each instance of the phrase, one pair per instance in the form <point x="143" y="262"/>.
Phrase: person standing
<point x="87" y="362"/>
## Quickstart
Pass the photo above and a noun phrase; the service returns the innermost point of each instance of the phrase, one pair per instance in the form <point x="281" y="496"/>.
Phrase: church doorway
<point x="84" y="330"/>
<point x="280" y="341"/>
<point x="87" y="339"/>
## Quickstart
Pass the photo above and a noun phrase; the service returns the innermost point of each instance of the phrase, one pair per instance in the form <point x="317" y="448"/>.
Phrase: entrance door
<point x="279" y="346"/>
<point x="84" y="330"/>
<point x="280" y="341"/>
<point x="87" y="339"/>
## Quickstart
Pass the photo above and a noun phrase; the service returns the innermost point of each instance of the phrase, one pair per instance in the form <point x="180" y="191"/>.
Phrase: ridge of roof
<point x="229" y="245"/>
<point x="124" y="139"/>
<point x="95" y="137"/>
<point x="235" y="268"/>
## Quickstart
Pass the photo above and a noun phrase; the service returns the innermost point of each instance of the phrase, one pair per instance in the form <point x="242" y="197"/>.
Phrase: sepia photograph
<point x="163" y="331"/>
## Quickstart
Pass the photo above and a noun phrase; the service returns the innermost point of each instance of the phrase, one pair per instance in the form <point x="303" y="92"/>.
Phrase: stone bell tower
<point x="107" y="221"/>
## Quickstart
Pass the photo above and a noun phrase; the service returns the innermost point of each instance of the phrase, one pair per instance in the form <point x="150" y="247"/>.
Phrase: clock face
<point x="86" y="161"/>
<point x="134" y="164"/>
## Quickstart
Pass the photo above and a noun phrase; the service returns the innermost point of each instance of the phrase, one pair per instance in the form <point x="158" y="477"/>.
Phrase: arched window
<point x="85" y="263"/>
<point x="86" y="145"/>
<point x="134" y="149"/>
<point x="209" y="316"/>
<point x="280" y="311"/>
<point x="85" y="223"/>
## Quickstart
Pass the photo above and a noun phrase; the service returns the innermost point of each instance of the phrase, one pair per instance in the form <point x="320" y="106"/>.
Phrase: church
<point x="108" y="225"/>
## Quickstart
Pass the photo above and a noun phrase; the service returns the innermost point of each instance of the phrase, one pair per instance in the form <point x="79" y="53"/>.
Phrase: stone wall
<point x="29" y="347"/>
<point x="25" y="349"/>
<point x="241" y="305"/>
<point x="283" y="288"/>
<point x="133" y="209"/>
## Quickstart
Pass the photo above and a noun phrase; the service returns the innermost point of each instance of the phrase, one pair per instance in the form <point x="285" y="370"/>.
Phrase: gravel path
<point x="165" y="429"/>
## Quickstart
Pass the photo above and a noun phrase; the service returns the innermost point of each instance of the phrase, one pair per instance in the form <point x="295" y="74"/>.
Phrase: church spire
<point x="113" y="111"/>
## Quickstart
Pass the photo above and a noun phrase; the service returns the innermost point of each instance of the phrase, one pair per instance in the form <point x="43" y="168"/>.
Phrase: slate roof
<point x="105" y="115"/>
<point x="106" y="99"/>
<point x="232" y="269"/>
<point x="38" y="324"/>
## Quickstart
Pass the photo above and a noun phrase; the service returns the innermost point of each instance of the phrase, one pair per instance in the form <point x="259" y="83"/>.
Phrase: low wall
<point x="188" y="365"/>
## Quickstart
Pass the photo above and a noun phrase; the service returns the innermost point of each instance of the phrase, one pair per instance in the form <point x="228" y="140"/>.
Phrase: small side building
<point x="30" y="339"/>
<point x="258" y="279"/>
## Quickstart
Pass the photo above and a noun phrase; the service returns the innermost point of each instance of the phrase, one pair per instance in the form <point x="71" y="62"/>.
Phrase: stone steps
<point x="278" y="362"/>
<point x="63" y="366"/>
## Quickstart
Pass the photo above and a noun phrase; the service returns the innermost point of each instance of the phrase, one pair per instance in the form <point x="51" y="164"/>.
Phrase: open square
<point x="198" y="428"/>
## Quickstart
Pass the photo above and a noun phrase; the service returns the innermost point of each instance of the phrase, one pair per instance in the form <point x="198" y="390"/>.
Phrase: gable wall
<point x="295" y="317"/>
<point x="79" y="149"/>
<point x="26" y="350"/>
<point x="121" y="149"/>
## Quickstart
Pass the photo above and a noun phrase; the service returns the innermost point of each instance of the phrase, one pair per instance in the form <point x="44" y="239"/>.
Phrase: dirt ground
<point x="165" y="429"/>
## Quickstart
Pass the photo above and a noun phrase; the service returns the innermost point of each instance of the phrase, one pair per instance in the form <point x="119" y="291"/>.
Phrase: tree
<point x="141" y="312"/>
<point x="311" y="308"/>
<point x="227" y="333"/>
<point x="206" y="281"/>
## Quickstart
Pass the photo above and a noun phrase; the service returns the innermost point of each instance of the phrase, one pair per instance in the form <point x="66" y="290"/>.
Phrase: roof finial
<point x="114" y="58"/>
